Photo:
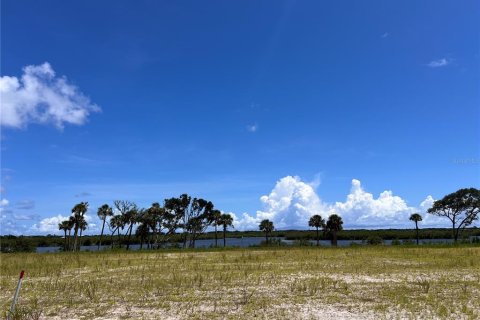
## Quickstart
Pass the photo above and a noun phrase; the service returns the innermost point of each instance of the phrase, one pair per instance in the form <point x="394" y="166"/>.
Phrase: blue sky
<point x="315" y="106"/>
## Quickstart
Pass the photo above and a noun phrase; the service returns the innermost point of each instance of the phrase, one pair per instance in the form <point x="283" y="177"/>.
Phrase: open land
<point x="367" y="282"/>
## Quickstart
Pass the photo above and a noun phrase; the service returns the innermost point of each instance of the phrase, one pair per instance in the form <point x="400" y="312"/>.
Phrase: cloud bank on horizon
<point x="40" y="96"/>
<point x="292" y="202"/>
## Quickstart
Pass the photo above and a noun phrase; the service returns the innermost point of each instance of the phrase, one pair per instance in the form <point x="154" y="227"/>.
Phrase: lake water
<point x="245" y="242"/>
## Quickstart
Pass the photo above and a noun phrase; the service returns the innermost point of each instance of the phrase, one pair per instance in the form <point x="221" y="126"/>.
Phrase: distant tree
<point x="334" y="224"/>
<point x="71" y="225"/>
<point x="195" y="215"/>
<point x="317" y="222"/>
<point x="116" y="223"/>
<point x="78" y="212"/>
<point x="267" y="227"/>
<point x="103" y="213"/>
<point x="461" y="208"/>
<point x="163" y="222"/>
<point x="415" y="217"/>
<point x="142" y="232"/>
<point x="64" y="225"/>
<point x="128" y="212"/>
<point x="179" y="207"/>
<point x="130" y="219"/>
<point x="215" y="218"/>
<point x="225" y="221"/>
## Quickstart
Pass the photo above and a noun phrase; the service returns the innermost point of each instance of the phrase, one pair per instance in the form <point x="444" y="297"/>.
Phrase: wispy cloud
<point x="385" y="35"/>
<point x="439" y="63"/>
<point x="252" y="128"/>
<point x="40" y="96"/>
<point x="25" y="204"/>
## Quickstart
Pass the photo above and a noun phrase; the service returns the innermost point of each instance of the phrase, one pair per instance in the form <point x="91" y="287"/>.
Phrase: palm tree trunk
<point x="75" y="238"/>
<point x="334" y="238"/>
<point x="416" y="227"/>
<point x="266" y="237"/>
<point x="216" y="235"/>
<point x="69" y="237"/>
<point x="224" y="236"/>
<point x="129" y="235"/>
<point x="101" y="234"/>
<point x="318" y="239"/>
<point x="65" y="241"/>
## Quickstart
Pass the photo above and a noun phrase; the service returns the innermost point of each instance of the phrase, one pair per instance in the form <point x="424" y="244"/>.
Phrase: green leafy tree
<point x="317" y="222"/>
<point x="104" y="212"/>
<point x="415" y="217"/>
<point x="461" y="208"/>
<point x="334" y="224"/>
<point x="267" y="227"/>
<point x="225" y="220"/>
<point x="179" y="207"/>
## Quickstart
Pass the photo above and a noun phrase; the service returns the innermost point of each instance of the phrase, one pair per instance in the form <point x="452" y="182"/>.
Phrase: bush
<point x="302" y="243"/>
<point x="374" y="240"/>
<point x="396" y="242"/>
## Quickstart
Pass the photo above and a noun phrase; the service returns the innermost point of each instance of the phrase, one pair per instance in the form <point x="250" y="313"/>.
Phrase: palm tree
<point x="78" y="212"/>
<point x="116" y="223"/>
<point x="103" y="213"/>
<point x="267" y="227"/>
<point x="82" y="225"/>
<point x="226" y="221"/>
<point x="131" y="218"/>
<point x="215" y="219"/>
<point x="316" y="221"/>
<point x="71" y="224"/>
<point x="415" y="217"/>
<point x="142" y="233"/>
<point x="64" y="225"/>
<point x="334" y="224"/>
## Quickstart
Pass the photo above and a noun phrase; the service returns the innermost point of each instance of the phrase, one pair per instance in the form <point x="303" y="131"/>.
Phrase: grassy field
<point x="272" y="283"/>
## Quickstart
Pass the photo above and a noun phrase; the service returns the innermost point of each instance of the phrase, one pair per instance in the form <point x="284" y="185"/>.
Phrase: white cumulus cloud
<point x="50" y="225"/>
<point x="292" y="202"/>
<point x="40" y="96"/>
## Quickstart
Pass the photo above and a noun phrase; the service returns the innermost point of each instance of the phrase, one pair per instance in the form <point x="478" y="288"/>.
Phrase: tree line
<point x="190" y="217"/>
<point x="155" y="226"/>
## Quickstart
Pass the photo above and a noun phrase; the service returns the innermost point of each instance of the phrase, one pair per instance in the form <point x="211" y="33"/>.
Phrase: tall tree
<point x="82" y="226"/>
<point x="317" y="222"/>
<point x="103" y="213"/>
<point x="195" y="215"/>
<point x="128" y="212"/>
<point x="225" y="220"/>
<point x="215" y="217"/>
<point x="461" y="208"/>
<point x="78" y="212"/>
<point x="130" y="219"/>
<point x="267" y="227"/>
<point x="116" y="223"/>
<point x="64" y="226"/>
<point x="334" y="224"/>
<point x="179" y="207"/>
<point x="164" y="221"/>
<point x="71" y="225"/>
<point x="415" y="217"/>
